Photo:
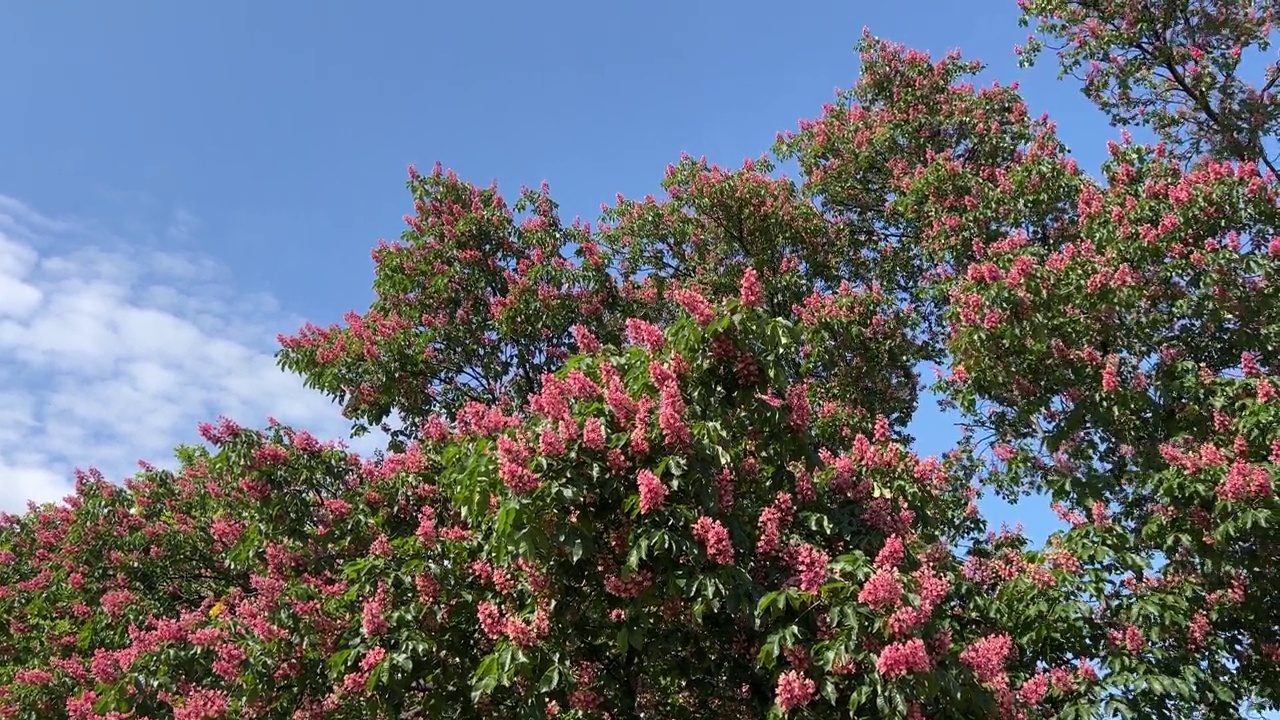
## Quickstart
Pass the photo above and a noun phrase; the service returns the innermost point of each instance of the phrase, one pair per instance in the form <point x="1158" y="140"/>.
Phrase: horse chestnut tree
<point x="659" y="467"/>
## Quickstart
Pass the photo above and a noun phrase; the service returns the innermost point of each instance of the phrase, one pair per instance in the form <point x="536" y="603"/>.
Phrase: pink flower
<point x="1244" y="481"/>
<point x="220" y="433"/>
<point x="645" y="334"/>
<point x="798" y="406"/>
<point x="725" y="486"/>
<point x="492" y="622"/>
<point x="892" y="554"/>
<point x="810" y="565"/>
<point x="615" y="394"/>
<point x="794" y="690"/>
<point x="593" y="434"/>
<point x="520" y="632"/>
<point x="715" y="537"/>
<point x="381" y="546"/>
<point x="427" y="532"/>
<point x="933" y="587"/>
<point x="882" y="590"/>
<point x="987" y="656"/>
<point x="1133" y="640"/>
<point x="906" y="620"/>
<point x="1266" y="391"/>
<point x="750" y="293"/>
<point x="115" y="602"/>
<point x="226" y="532"/>
<point x="1034" y="689"/>
<point x="203" y="705"/>
<point x="372" y="658"/>
<point x="671" y="409"/>
<point x="374" y="612"/>
<point x="229" y="661"/>
<point x="513" y="458"/>
<point x="587" y="343"/>
<point x="550" y="442"/>
<point x="33" y="676"/>
<point x="578" y="385"/>
<point x="652" y="492"/>
<point x="1199" y="630"/>
<point x="900" y="658"/>
<point x="771" y="523"/>
<point x="640" y="428"/>
<point x="1249" y="365"/>
<point x="269" y="455"/>
<point x="696" y="305"/>
<point x="1110" y="375"/>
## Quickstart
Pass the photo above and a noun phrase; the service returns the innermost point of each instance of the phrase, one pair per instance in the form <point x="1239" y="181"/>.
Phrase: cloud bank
<point x="111" y="352"/>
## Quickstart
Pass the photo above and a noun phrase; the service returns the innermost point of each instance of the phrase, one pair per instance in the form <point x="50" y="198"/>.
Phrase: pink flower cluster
<point x="714" y="536"/>
<point x="987" y="657"/>
<point x="810" y="565"/>
<point x="882" y="590"/>
<point x="902" y="658"/>
<point x="653" y="493"/>
<point x="645" y="334"/>
<point x="773" y="520"/>
<point x="671" y="407"/>
<point x="695" y="304"/>
<point x="750" y="293"/>
<point x="794" y="690"/>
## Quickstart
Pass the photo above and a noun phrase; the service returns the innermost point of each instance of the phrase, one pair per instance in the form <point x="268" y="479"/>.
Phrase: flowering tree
<point x="659" y="468"/>
<point x="1192" y="70"/>
<point x="1150" y="416"/>
<point x="646" y="500"/>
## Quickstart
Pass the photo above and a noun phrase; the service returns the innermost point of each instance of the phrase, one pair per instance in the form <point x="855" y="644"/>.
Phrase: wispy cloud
<point x="112" y="352"/>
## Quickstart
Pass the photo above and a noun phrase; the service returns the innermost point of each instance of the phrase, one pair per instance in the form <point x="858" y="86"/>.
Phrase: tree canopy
<point x="659" y="467"/>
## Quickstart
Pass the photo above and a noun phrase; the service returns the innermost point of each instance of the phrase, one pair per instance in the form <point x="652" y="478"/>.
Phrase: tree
<point x="659" y="468"/>
<point x="1181" y="67"/>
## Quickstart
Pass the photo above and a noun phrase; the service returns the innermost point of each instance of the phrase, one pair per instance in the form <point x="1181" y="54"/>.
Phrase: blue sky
<point x="181" y="181"/>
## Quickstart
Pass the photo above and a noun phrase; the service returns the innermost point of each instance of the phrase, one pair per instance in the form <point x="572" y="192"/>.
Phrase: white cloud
<point x="111" y="352"/>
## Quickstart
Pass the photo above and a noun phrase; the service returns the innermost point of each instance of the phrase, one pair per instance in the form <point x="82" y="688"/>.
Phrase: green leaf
<point x="550" y="679"/>
<point x="857" y="698"/>
<point x="829" y="690"/>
